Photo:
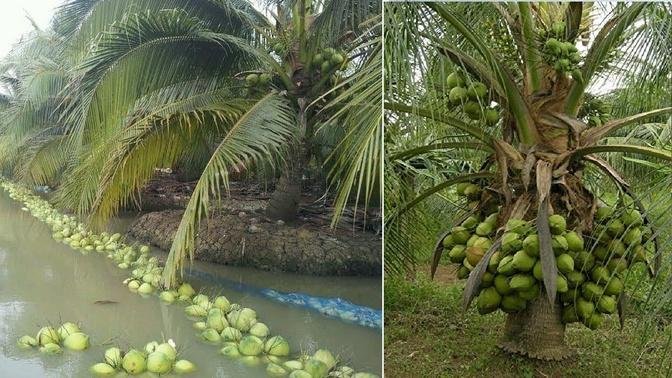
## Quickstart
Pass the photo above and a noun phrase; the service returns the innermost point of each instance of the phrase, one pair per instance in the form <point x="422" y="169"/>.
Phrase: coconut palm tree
<point x="504" y="101"/>
<point x="154" y="83"/>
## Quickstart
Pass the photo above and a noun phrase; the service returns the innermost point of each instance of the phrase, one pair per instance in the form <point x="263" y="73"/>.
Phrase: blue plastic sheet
<point x="336" y="308"/>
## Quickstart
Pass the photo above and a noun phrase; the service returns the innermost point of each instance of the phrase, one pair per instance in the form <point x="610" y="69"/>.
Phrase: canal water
<point x="43" y="282"/>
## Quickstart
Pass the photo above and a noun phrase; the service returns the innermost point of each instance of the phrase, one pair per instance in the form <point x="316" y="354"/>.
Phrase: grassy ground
<point x="427" y="335"/>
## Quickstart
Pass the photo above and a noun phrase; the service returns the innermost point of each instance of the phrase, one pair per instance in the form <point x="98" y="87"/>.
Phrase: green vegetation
<point x="113" y="90"/>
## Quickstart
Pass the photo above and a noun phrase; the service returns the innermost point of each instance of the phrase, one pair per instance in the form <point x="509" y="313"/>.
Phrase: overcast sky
<point x="13" y="20"/>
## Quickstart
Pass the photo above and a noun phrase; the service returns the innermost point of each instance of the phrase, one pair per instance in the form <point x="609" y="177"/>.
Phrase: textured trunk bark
<point x="285" y="200"/>
<point x="536" y="332"/>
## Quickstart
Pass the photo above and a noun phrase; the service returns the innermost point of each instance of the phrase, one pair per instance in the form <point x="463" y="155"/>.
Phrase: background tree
<point x="215" y="85"/>
<point x="501" y="105"/>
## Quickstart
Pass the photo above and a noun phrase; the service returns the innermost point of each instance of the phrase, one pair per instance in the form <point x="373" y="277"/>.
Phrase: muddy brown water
<point x="44" y="282"/>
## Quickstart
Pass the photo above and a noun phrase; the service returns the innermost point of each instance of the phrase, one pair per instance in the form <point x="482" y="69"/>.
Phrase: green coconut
<point x="231" y="334"/>
<point x="50" y="348"/>
<point x="292" y="365"/>
<point x="601" y="253"/>
<point x="501" y="284"/>
<point x="584" y="308"/>
<point x="473" y="192"/>
<point x="276" y="346"/>
<point x="559" y="244"/>
<point x="457" y="95"/>
<point x="167" y="296"/>
<point x="475" y="254"/>
<point x="66" y="329"/>
<point x="184" y="367"/>
<point x="484" y="229"/>
<point x="488" y="300"/>
<point x="569" y="315"/>
<point x="505" y="266"/>
<point x="477" y="91"/>
<point x="575" y="278"/>
<point x="159" y="363"/>
<point x="521" y="282"/>
<point x="211" y="335"/>
<point x="455" y="79"/>
<point x="604" y="213"/>
<point x="494" y="262"/>
<point x="561" y="284"/>
<point x="222" y="303"/>
<point x="250" y="346"/>
<point x="230" y="351"/>
<point x="462" y="272"/>
<point x="537" y="271"/>
<point x="300" y="374"/>
<point x="574" y="241"/>
<point x="473" y="110"/>
<point x="196" y="311"/>
<point x="186" y="290"/>
<point x="315" y="367"/>
<point x="457" y="253"/>
<point x="252" y="79"/>
<point x="615" y="228"/>
<point x="616" y="248"/>
<point x="264" y="79"/>
<point x="168" y="350"/>
<point x="134" y="362"/>
<point x="145" y="288"/>
<point x="530" y="293"/>
<point x="591" y="291"/>
<point x="531" y="245"/>
<point x="512" y="303"/>
<point x="200" y="326"/>
<point x="200" y="299"/>
<point x="448" y="242"/>
<point x="487" y="279"/>
<point x="618" y="265"/>
<point x="557" y="224"/>
<point x="260" y="330"/>
<point x="553" y="46"/>
<point x="102" y="369"/>
<point x="26" y="342"/>
<point x="632" y="217"/>
<point x="491" y="116"/>
<point x="113" y="357"/>
<point x="275" y="370"/>
<point x="594" y="321"/>
<point x="325" y="356"/>
<point x="600" y="274"/>
<point x="48" y="335"/>
<point x="217" y="322"/>
<point x="633" y="237"/>
<point x="76" y="341"/>
<point x="565" y="263"/>
<point x="522" y="262"/>
<point x="584" y="261"/>
<point x="606" y="304"/>
<point x="242" y="319"/>
<point x="511" y="242"/>
<point x="518" y="226"/>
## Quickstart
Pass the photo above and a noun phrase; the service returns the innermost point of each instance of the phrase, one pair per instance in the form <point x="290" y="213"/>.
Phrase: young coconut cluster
<point x="560" y="54"/>
<point x="328" y="61"/>
<point x="472" y="96"/>
<point x="51" y="340"/>
<point x="220" y="322"/>
<point x="258" y="82"/>
<point x="589" y="281"/>
<point x="595" y="111"/>
<point x="243" y="337"/>
<point x="158" y="358"/>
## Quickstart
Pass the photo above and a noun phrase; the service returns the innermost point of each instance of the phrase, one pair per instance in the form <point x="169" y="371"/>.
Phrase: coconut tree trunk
<point x="285" y="200"/>
<point x="536" y="332"/>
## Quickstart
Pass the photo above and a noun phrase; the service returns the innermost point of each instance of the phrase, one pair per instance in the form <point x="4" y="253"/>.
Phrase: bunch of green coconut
<point x="472" y="96"/>
<point x="258" y="82"/>
<point x="560" y="54"/>
<point x="327" y="61"/>
<point x="595" y="111"/>
<point x="589" y="281"/>
<point x="51" y="340"/>
<point x="158" y="358"/>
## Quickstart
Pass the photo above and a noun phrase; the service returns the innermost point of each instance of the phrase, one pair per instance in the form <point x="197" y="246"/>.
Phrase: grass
<point x="428" y="335"/>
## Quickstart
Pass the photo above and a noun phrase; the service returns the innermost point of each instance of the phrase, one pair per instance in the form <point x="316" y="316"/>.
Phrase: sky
<point x="14" y="23"/>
